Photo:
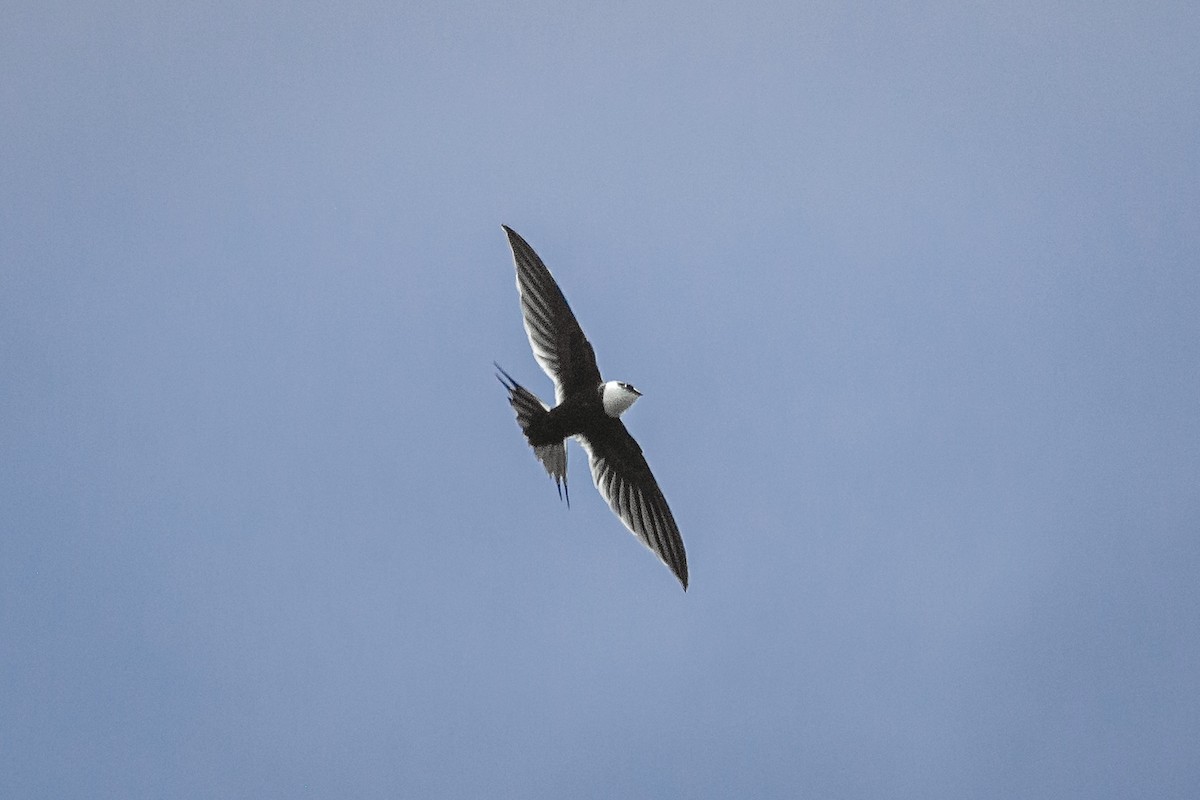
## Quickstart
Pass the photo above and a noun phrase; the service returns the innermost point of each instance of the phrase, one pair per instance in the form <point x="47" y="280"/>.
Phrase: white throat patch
<point x="617" y="397"/>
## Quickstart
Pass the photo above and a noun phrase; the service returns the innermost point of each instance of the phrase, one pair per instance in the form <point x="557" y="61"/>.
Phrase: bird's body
<point x="587" y="408"/>
<point x="573" y="416"/>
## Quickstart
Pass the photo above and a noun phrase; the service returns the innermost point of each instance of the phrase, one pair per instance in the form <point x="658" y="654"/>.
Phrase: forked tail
<point x="530" y="409"/>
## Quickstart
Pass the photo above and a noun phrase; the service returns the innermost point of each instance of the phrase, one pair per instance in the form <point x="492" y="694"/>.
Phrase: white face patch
<point x="618" y="397"/>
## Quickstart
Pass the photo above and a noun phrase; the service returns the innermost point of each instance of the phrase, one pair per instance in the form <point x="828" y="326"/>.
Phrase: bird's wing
<point x="624" y="479"/>
<point x="554" y="334"/>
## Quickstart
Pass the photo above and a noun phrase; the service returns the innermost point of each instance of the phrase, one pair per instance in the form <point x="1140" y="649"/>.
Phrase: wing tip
<point x="679" y="567"/>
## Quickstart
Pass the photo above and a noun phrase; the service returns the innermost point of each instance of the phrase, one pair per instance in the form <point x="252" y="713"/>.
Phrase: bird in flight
<point x="588" y="408"/>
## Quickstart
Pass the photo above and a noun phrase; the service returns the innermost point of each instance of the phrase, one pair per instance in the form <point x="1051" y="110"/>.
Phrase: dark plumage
<point x="587" y="408"/>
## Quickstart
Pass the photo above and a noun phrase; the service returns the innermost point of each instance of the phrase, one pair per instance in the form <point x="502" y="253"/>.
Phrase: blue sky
<point x="912" y="294"/>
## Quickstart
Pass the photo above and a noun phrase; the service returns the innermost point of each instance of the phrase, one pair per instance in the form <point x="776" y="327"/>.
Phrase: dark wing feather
<point x="554" y="334"/>
<point x="624" y="479"/>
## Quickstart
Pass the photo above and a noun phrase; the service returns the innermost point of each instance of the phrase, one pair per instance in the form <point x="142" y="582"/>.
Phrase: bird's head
<point x="617" y="397"/>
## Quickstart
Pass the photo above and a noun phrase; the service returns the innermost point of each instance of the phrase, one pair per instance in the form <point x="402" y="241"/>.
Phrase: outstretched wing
<point x="554" y="334"/>
<point x="624" y="479"/>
